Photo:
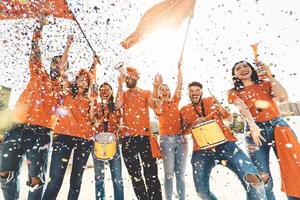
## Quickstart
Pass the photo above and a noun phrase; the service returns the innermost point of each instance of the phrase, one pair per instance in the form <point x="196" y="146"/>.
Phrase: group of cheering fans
<point x="67" y="115"/>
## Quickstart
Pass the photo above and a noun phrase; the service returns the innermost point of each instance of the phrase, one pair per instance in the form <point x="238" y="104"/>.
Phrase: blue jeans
<point x="260" y="156"/>
<point x="116" y="175"/>
<point x="62" y="149"/>
<point x="175" y="151"/>
<point x="236" y="160"/>
<point x="33" y="142"/>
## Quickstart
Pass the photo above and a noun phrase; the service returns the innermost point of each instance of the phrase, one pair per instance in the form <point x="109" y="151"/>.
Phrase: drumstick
<point x="101" y="120"/>
<point x="216" y="100"/>
<point x="219" y="112"/>
<point x="210" y="115"/>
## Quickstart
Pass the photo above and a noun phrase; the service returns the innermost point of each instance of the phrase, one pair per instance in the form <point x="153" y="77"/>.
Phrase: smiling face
<point x="164" y="92"/>
<point x="243" y="71"/>
<point x="105" y="93"/>
<point x="195" y="94"/>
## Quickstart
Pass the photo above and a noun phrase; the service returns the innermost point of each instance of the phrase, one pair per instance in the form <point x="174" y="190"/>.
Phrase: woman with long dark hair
<point x="256" y="100"/>
<point x="106" y="118"/>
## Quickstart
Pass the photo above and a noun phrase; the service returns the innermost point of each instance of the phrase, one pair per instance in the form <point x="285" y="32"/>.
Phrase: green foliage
<point x="237" y="126"/>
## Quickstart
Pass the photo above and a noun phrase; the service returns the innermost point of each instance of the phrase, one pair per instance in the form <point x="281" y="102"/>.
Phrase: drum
<point x="105" y="146"/>
<point x="208" y="134"/>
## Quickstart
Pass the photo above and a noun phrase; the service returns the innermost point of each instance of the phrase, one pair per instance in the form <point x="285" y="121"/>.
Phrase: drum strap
<point x="202" y="109"/>
<point x="106" y="118"/>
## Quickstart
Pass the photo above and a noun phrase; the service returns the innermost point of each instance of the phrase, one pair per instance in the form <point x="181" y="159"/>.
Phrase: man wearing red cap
<point x="136" y="136"/>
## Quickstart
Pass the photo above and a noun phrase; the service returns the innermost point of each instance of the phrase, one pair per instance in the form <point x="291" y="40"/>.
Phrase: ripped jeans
<point x="236" y="160"/>
<point x="33" y="142"/>
<point x="260" y="156"/>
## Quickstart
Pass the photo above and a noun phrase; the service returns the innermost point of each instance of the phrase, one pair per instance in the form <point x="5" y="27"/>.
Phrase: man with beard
<point x="228" y="153"/>
<point x="33" y="119"/>
<point x="136" y="147"/>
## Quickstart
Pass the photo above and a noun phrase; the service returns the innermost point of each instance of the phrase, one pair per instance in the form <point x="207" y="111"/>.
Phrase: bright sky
<point x="220" y="35"/>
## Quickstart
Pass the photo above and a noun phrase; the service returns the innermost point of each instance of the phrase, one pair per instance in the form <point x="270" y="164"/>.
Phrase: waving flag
<point x="17" y="9"/>
<point x="169" y="14"/>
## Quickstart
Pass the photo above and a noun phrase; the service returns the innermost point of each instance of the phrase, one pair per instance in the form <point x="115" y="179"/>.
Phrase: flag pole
<point x="84" y="35"/>
<point x="186" y="34"/>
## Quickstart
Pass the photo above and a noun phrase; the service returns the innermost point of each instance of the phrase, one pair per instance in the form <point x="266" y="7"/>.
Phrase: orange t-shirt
<point x="259" y="99"/>
<point x="75" y="119"/>
<point x="38" y="102"/>
<point x="169" y="119"/>
<point x="188" y="116"/>
<point x="113" y="118"/>
<point x="136" y="112"/>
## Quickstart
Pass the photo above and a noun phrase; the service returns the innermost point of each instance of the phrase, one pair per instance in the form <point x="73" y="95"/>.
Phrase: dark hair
<point x="74" y="86"/>
<point x="56" y="58"/>
<point x="195" y="83"/>
<point x="238" y="83"/>
<point x="110" y="102"/>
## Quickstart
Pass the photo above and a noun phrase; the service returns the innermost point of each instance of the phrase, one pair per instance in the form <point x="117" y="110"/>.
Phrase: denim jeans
<point x="62" y="149"/>
<point x="33" y="142"/>
<point x="261" y="155"/>
<point x="236" y="160"/>
<point x="136" y="152"/>
<point x="116" y="175"/>
<point x="175" y="151"/>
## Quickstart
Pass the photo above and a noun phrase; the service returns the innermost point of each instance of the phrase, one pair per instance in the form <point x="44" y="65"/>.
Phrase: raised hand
<point x="70" y="39"/>
<point x="96" y="60"/>
<point x="158" y="80"/>
<point x="121" y="79"/>
<point x="266" y="69"/>
<point x="42" y="21"/>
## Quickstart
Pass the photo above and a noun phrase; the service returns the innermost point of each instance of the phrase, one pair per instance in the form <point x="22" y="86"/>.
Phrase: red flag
<point x="17" y="9"/>
<point x="169" y="13"/>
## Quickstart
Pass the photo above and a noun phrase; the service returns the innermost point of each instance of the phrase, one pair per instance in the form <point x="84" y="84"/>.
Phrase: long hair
<point x="238" y="83"/>
<point x="111" y="104"/>
<point x="74" y="87"/>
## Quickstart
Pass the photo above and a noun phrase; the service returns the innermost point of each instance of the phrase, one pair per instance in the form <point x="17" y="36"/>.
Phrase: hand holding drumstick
<point x="100" y="121"/>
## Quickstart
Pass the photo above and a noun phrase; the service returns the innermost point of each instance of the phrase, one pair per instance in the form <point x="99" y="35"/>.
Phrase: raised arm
<point x="158" y="80"/>
<point x="93" y="71"/>
<point x="279" y="92"/>
<point x="119" y="99"/>
<point x="64" y="59"/>
<point x="156" y="103"/>
<point x="179" y="82"/>
<point x="92" y="109"/>
<point x="35" y="59"/>
<point x="93" y="68"/>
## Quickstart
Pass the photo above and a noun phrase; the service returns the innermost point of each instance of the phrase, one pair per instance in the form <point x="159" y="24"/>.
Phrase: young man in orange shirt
<point x="228" y="153"/>
<point x="136" y="136"/>
<point x="33" y="120"/>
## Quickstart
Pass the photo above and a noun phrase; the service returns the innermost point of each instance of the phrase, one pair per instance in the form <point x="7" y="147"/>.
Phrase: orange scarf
<point x="288" y="149"/>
